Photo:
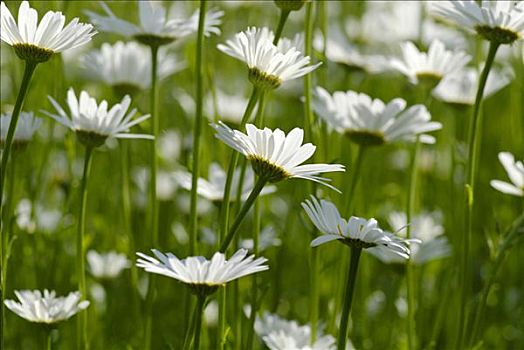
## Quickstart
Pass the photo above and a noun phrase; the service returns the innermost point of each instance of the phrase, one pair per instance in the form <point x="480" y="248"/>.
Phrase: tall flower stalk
<point x="471" y="170"/>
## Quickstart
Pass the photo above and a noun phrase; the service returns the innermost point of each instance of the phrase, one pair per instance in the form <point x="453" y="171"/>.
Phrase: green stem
<point x="49" y="339"/>
<point x="315" y="298"/>
<point x="80" y="249"/>
<point x="254" y="287"/>
<point x="348" y="297"/>
<point x="514" y="231"/>
<point x="284" y="14"/>
<point x="410" y="273"/>
<point x="193" y="222"/>
<point x="308" y="78"/>
<point x="473" y="149"/>
<point x="350" y="199"/>
<point x="153" y="165"/>
<point x="189" y="332"/>
<point x="199" y="309"/>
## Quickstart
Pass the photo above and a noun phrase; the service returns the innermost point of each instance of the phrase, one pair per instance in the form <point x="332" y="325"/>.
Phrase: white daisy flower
<point x="515" y="171"/>
<point x="356" y="231"/>
<point x="203" y="276"/>
<point x="213" y="189"/>
<point x="155" y="28"/>
<point x="425" y="227"/>
<point x="35" y="41"/>
<point x="368" y="121"/>
<point x="92" y="122"/>
<point x="127" y="66"/>
<point x="27" y="125"/>
<point x="106" y="265"/>
<point x="460" y="88"/>
<point x="429" y="67"/>
<point x="269" y="66"/>
<point x="275" y="155"/>
<point x="498" y="21"/>
<point x="280" y="334"/>
<point x="46" y="307"/>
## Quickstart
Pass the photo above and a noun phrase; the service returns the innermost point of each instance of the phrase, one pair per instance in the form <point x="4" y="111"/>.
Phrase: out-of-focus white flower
<point x="45" y="307"/>
<point x="431" y="66"/>
<point x="461" y="87"/>
<point x="166" y="184"/>
<point x="213" y="188"/>
<point x="35" y="41"/>
<point x="266" y="239"/>
<point x="127" y="66"/>
<point x="45" y="218"/>
<point x="106" y="265"/>
<point x="211" y="313"/>
<point x="26" y="127"/>
<point x="169" y="146"/>
<point x="368" y="121"/>
<point x="515" y="171"/>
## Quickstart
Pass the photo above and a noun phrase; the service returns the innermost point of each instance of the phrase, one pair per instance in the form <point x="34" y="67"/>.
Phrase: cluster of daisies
<point x="273" y="154"/>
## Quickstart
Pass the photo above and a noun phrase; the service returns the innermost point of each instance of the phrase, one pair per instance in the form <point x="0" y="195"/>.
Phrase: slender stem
<point x="189" y="332"/>
<point x="199" y="308"/>
<point x="410" y="272"/>
<point x="284" y="14"/>
<point x="350" y="199"/>
<point x="199" y="78"/>
<point x="153" y="164"/>
<point x="259" y="185"/>
<point x="80" y="249"/>
<point x="348" y="297"/>
<point x="49" y="339"/>
<point x="514" y="231"/>
<point x="254" y="287"/>
<point x="308" y="78"/>
<point x="473" y="149"/>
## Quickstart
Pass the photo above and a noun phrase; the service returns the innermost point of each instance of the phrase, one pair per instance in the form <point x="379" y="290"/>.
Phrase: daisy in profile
<point x="202" y="276"/>
<point x="46" y="307"/>
<point x="429" y="68"/>
<point x="501" y="22"/>
<point x="155" y="27"/>
<point x="515" y="171"/>
<point x="106" y="265"/>
<point x="213" y="188"/>
<point x="268" y="65"/>
<point x="28" y="124"/>
<point x="93" y="123"/>
<point x="37" y="42"/>
<point x="369" y="122"/>
<point x="460" y="88"/>
<point x="126" y="67"/>
<point x="274" y="155"/>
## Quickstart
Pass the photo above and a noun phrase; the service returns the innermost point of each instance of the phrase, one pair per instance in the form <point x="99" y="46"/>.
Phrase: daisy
<point x="127" y="66"/>
<point x="430" y="67"/>
<point x="92" y="122"/>
<point x="368" y="121"/>
<point x="213" y="189"/>
<point x="106" y="265"/>
<point x="46" y="307"/>
<point x="155" y="28"/>
<point x="274" y="155"/>
<point x="27" y="125"/>
<point x="203" y="276"/>
<point x="38" y="42"/>
<point x="515" y="171"/>
<point x="357" y="232"/>
<point x="497" y="21"/>
<point x="460" y="88"/>
<point x="425" y="227"/>
<point x="269" y="66"/>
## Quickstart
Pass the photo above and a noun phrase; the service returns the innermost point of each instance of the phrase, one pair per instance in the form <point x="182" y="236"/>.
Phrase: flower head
<point x="155" y="28"/>
<point x="26" y="127"/>
<point x="106" y="265"/>
<point x="92" y="122"/>
<point x="275" y="155"/>
<point x="515" y="171"/>
<point x="353" y="232"/>
<point x="498" y="21"/>
<point x="269" y="65"/>
<point x="127" y="66"/>
<point x="203" y="276"/>
<point x="429" y="68"/>
<point x="35" y="41"/>
<point x="45" y="307"/>
<point x="213" y="188"/>
<point x="368" y="121"/>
